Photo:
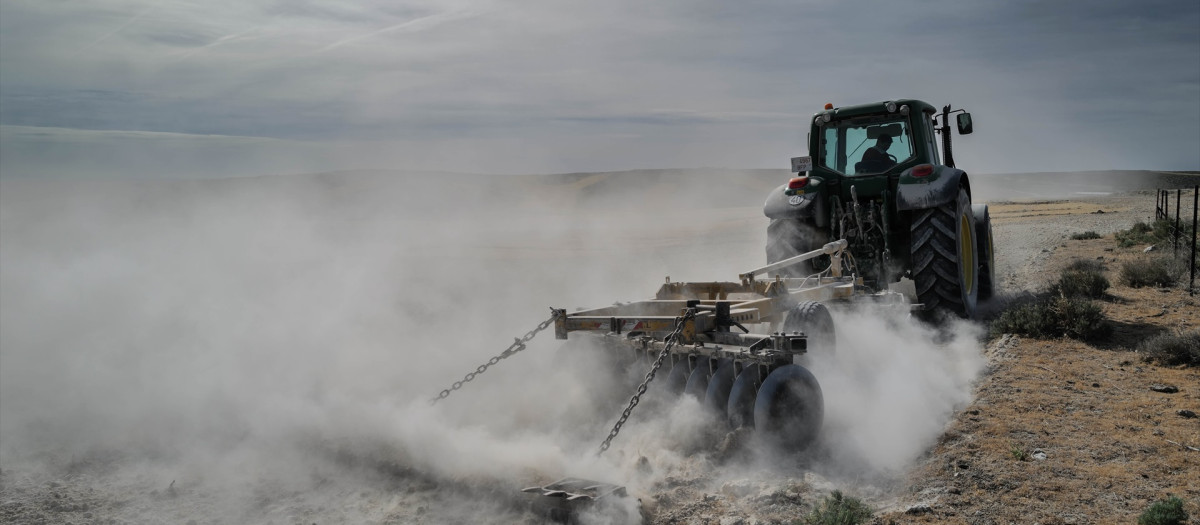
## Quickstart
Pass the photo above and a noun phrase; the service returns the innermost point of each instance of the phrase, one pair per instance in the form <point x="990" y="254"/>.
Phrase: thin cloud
<point x="410" y="26"/>
<point x="130" y="21"/>
<point x="575" y="85"/>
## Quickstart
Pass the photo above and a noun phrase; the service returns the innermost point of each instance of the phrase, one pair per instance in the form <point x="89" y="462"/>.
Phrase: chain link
<point x="517" y="346"/>
<point x="670" y="341"/>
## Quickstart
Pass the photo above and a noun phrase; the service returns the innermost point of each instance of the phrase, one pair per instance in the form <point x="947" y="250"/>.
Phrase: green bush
<point x="1054" y="316"/>
<point x="1172" y="349"/>
<point x="1081" y="318"/>
<point x="1160" y="231"/>
<point x="1156" y="271"/>
<point x="1082" y="278"/>
<point x="837" y="509"/>
<point x="1018" y="452"/>
<point x="1031" y="318"/>
<point x="1164" y="512"/>
<point x="1085" y="236"/>
<point x="1140" y="233"/>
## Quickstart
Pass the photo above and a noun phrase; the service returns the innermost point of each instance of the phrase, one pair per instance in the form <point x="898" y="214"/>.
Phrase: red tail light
<point x="923" y="170"/>
<point x="797" y="183"/>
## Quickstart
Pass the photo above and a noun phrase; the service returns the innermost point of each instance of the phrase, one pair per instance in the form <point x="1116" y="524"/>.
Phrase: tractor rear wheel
<point x="987" y="254"/>
<point x="788" y="238"/>
<point x="944" y="255"/>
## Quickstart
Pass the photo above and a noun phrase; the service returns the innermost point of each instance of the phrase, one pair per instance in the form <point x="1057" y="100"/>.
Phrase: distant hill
<point x="448" y="193"/>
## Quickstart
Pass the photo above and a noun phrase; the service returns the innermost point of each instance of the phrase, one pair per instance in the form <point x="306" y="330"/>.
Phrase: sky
<point x="178" y="88"/>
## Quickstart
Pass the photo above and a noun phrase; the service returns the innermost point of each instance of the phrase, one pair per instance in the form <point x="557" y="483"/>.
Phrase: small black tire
<point x="814" y="320"/>
<point x="987" y="252"/>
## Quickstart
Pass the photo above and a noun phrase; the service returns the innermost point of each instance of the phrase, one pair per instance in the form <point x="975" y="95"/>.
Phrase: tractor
<point x="874" y="177"/>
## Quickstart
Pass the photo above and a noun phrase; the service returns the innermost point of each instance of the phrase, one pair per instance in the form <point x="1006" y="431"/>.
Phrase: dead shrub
<point x="1082" y="278"/>
<point x="1162" y="271"/>
<point x="1054" y="316"/>
<point x="1172" y="349"/>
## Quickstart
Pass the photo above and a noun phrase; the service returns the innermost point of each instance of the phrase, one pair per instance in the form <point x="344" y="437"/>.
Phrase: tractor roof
<point x="877" y="107"/>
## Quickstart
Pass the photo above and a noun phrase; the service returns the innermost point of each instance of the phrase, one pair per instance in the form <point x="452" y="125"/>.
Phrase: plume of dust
<point x="892" y="386"/>
<point x="257" y="337"/>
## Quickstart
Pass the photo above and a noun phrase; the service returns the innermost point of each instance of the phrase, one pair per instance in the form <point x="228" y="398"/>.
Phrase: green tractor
<point x="875" y="178"/>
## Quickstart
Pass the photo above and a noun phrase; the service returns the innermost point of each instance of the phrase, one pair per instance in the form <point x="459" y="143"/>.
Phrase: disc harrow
<point x="737" y="347"/>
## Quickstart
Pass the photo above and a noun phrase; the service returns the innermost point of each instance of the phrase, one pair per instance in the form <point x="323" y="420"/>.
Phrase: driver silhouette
<point x="876" y="158"/>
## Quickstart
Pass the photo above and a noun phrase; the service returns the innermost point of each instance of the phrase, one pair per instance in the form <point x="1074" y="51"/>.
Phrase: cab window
<point x="866" y="145"/>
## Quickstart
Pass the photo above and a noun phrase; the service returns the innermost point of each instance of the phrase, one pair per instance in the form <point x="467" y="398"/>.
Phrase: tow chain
<point x="517" y="346"/>
<point x="670" y="341"/>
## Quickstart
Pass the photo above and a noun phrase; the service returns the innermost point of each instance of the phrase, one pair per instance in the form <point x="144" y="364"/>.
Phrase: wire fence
<point x="1178" y="231"/>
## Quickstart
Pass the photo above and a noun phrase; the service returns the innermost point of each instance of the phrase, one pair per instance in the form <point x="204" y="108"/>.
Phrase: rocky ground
<point x="1059" y="431"/>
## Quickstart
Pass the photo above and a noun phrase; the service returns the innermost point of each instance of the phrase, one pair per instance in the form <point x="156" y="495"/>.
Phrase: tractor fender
<point x="810" y="204"/>
<point x="935" y="189"/>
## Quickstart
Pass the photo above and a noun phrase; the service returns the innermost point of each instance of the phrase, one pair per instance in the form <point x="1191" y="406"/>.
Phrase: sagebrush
<point x="838" y="509"/>
<point x="1162" y="271"/>
<point x="1156" y="232"/>
<point x="1065" y="310"/>
<point x="1082" y="278"/>
<point x="1172" y="349"/>
<point x="1165" y="512"/>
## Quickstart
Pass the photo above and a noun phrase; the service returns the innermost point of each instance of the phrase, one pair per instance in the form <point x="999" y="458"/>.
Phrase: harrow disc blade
<point x="677" y="379"/>
<point x="740" y="406"/>
<point x="697" y="383"/>
<point x="789" y="408"/>
<point x="716" y="398"/>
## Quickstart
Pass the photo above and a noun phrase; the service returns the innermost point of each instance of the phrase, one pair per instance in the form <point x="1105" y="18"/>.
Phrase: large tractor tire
<point x="814" y="320"/>
<point x="788" y="238"/>
<point x="987" y="254"/>
<point x="945" y="257"/>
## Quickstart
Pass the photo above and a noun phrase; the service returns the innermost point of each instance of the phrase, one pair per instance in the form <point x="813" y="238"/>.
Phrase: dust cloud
<point x="267" y="347"/>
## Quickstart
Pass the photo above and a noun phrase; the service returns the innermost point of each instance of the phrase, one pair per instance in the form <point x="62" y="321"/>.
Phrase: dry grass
<point x="1112" y="446"/>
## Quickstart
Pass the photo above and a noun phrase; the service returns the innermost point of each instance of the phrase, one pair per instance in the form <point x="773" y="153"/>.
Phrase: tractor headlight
<point x="891" y="107"/>
<point x="904" y="110"/>
<point x="827" y="117"/>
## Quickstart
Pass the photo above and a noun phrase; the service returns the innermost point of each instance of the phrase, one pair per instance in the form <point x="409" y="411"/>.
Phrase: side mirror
<point x="964" y="124"/>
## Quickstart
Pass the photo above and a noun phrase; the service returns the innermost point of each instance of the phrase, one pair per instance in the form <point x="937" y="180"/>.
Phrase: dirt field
<point x="197" y="401"/>
<point x="1063" y="431"/>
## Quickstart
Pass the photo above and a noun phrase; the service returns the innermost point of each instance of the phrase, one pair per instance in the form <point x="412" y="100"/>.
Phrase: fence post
<point x="1175" y="231"/>
<point x="1195" y="201"/>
